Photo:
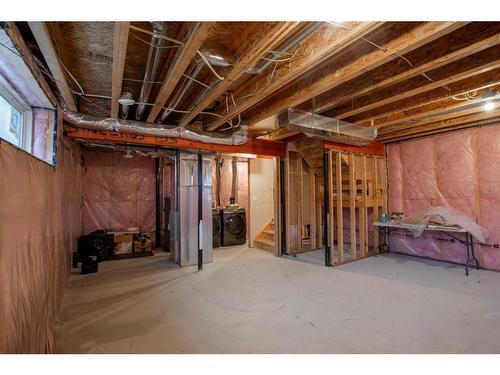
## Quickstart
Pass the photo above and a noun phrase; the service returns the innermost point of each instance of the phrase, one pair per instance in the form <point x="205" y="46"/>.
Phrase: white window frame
<point x="26" y="112"/>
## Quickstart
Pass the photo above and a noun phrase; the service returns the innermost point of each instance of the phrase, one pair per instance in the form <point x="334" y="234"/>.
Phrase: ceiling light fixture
<point x="489" y="105"/>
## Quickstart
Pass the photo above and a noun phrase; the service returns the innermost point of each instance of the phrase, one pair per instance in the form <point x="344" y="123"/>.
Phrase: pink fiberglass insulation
<point x="119" y="193"/>
<point x="43" y="134"/>
<point x="458" y="170"/>
<point x="40" y="216"/>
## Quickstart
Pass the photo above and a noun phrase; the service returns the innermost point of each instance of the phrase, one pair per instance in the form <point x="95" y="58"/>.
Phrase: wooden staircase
<point x="311" y="150"/>
<point x="265" y="239"/>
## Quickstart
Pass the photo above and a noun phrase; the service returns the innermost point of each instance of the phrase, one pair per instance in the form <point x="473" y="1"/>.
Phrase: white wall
<point x="261" y="195"/>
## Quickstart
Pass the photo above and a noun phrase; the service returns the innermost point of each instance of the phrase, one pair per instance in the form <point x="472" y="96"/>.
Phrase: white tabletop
<point x="430" y="227"/>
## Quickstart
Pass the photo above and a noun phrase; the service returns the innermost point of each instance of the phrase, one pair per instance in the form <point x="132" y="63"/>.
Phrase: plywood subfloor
<point x="249" y="301"/>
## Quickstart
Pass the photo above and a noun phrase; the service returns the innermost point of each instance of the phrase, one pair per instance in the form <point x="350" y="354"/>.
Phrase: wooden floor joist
<point x="197" y="34"/>
<point x="273" y="35"/>
<point x="314" y="51"/>
<point x="331" y="99"/>
<point x="332" y="76"/>
<point x="120" y="41"/>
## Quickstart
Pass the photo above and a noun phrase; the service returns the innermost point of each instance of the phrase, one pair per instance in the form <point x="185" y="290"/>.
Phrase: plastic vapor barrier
<point x="40" y="216"/>
<point x="457" y="170"/>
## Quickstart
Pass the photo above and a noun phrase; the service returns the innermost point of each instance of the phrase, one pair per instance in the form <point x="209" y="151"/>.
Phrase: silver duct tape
<point x="137" y="127"/>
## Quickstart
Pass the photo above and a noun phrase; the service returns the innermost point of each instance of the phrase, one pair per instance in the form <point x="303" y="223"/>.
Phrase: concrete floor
<point x="249" y="301"/>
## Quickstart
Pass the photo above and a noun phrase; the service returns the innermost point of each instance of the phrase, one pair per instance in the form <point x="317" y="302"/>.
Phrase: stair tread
<point x="265" y="241"/>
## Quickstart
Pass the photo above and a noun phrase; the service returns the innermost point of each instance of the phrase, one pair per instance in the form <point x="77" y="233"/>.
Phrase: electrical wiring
<point x="152" y="45"/>
<point x="209" y="65"/>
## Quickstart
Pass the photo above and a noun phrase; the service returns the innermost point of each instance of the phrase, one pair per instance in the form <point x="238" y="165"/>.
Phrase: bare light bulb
<point x="489" y="105"/>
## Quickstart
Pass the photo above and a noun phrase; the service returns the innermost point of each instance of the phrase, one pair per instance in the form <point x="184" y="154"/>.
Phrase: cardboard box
<point x="143" y="246"/>
<point x="123" y="237"/>
<point x="122" y="248"/>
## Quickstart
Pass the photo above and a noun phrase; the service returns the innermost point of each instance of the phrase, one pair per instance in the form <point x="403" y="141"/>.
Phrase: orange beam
<point x="253" y="146"/>
<point x="373" y="148"/>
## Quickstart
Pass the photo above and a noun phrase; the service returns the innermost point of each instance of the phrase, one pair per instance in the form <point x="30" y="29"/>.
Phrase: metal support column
<point x="200" y="211"/>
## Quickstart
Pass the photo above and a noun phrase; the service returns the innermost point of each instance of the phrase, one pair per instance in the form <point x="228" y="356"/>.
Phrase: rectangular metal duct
<point x="326" y="128"/>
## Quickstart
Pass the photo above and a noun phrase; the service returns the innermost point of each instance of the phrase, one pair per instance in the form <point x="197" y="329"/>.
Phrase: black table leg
<point x="467" y="245"/>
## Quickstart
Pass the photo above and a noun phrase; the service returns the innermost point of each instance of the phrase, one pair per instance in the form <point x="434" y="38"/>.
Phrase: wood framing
<point x="120" y="40"/>
<point x="363" y="213"/>
<point x="274" y="34"/>
<point x="331" y="76"/>
<point x="197" y="35"/>
<point x="352" y="205"/>
<point x="317" y="49"/>
<point x="331" y="99"/>
<point x="16" y="38"/>
<point x="42" y="37"/>
<point x="277" y="207"/>
<point x="340" y="198"/>
<point x="376" y="102"/>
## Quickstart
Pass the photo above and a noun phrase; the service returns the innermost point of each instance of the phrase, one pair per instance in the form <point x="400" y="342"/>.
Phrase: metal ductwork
<point x="136" y="127"/>
<point x="326" y="128"/>
<point x="152" y="64"/>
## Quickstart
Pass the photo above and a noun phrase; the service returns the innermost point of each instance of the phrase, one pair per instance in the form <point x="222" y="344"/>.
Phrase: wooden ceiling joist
<point x="429" y="108"/>
<point x="197" y="35"/>
<point x="120" y="41"/>
<point x="42" y="36"/>
<point x="332" y="76"/>
<point x="18" y="41"/>
<point x="316" y="50"/>
<point x="333" y="98"/>
<point x="270" y="37"/>
<point x="473" y="119"/>
<point x="375" y="102"/>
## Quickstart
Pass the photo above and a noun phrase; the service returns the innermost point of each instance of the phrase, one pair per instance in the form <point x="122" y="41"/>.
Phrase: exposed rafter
<point x="273" y="35"/>
<point x="42" y="36"/>
<point x="197" y="35"/>
<point x="120" y="41"/>
<point x="332" y="76"/>
<point x="317" y="49"/>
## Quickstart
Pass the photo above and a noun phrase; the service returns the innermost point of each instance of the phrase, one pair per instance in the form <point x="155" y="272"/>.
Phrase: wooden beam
<point x="432" y="107"/>
<point x="377" y="102"/>
<point x="434" y="119"/>
<point x="332" y="76"/>
<point x="42" y="36"/>
<point x="316" y="50"/>
<point x="363" y="211"/>
<point x="252" y="53"/>
<point x="120" y="40"/>
<point x="253" y="146"/>
<point x="352" y="204"/>
<point x="299" y="196"/>
<point x="18" y="41"/>
<point x="376" y="196"/>
<point x="196" y="36"/>
<point x="373" y="148"/>
<point x="443" y="125"/>
<point x="340" y="217"/>
<point x="333" y="98"/>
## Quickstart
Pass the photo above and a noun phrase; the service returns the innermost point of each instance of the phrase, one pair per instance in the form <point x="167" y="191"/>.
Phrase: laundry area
<point x="249" y="187"/>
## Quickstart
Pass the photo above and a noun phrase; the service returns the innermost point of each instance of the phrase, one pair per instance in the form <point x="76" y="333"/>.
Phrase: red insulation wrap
<point x="40" y="216"/>
<point x="118" y="193"/>
<point x="457" y="170"/>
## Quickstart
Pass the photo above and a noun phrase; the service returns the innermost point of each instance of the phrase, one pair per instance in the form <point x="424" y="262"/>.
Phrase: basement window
<point x="15" y="121"/>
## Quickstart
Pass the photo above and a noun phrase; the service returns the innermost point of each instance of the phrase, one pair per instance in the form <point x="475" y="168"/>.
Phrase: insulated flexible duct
<point x="137" y="127"/>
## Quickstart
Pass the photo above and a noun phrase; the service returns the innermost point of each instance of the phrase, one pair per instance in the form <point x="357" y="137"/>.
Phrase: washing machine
<point x="216" y="228"/>
<point x="234" y="226"/>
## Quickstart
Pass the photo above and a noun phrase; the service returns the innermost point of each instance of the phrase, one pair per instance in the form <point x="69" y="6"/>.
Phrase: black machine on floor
<point x="234" y="226"/>
<point x="93" y="248"/>
<point x="216" y="228"/>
